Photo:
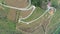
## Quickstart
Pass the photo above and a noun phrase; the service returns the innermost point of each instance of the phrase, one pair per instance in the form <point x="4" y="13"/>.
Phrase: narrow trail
<point x="16" y="7"/>
<point x="23" y="9"/>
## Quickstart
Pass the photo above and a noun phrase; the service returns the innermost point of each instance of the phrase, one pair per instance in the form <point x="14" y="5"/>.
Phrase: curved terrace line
<point x="38" y="17"/>
<point x="35" y="19"/>
<point x="29" y="4"/>
<point x="23" y="9"/>
<point x="30" y="13"/>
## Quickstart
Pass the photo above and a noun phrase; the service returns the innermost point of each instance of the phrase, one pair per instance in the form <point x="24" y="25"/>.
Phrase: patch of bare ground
<point x="25" y="13"/>
<point x="17" y="3"/>
<point x="11" y="14"/>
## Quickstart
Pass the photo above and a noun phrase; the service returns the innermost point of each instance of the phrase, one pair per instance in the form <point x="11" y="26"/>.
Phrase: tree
<point x="39" y="3"/>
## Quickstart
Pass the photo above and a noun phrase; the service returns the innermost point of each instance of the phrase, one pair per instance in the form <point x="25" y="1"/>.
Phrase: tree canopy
<point x="43" y="3"/>
<point x="39" y="3"/>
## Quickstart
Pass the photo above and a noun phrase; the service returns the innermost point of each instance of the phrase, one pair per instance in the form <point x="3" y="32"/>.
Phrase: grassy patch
<point x="57" y="31"/>
<point x="7" y="26"/>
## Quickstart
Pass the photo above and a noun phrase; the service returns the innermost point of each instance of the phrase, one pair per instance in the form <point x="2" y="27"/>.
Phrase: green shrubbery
<point x="43" y="3"/>
<point x="54" y="3"/>
<point x="39" y="3"/>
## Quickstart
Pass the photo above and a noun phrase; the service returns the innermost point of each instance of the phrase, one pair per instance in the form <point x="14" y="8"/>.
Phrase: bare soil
<point x="12" y="15"/>
<point x="25" y="13"/>
<point x="17" y="3"/>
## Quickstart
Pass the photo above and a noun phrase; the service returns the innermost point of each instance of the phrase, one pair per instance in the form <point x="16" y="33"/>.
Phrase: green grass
<point x="7" y="26"/>
<point x="38" y="12"/>
<point x="57" y="31"/>
<point x="1" y="1"/>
